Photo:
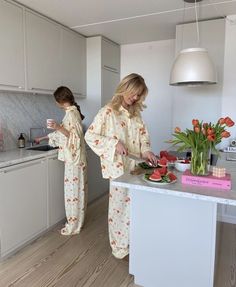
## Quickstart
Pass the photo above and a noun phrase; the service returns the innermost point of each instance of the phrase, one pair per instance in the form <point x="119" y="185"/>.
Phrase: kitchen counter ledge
<point x="17" y="156"/>
<point x="178" y="189"/>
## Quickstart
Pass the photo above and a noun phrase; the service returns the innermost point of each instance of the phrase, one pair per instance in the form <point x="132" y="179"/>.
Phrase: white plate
<point x="157" y="182"/>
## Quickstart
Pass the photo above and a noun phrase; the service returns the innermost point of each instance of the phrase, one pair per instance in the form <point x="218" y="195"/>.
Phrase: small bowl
<point x="181" y="165"/>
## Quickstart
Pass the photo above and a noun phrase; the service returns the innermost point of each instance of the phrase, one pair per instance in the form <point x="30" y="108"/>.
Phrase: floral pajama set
<point x="72" y="152"/>
<point x="107" y="129"/>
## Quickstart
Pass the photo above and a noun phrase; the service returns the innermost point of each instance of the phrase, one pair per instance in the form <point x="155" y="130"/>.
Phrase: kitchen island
<point x="173" y="231"/>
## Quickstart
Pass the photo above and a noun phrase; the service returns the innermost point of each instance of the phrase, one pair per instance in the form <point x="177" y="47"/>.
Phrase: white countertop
<point x="20" y="155"/>
<point x="227" y="197"/>
<point x="16" y="156"/>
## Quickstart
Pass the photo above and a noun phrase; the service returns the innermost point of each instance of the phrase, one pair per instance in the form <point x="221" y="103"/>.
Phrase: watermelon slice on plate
<point x="155" y="176"/>
<point x="162" y="170"/>
<point x="172" y="176"/>
<point x="163" y="161"/>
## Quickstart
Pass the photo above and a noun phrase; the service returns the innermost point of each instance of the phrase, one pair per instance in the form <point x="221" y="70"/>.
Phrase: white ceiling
<point x="128" y="21"/>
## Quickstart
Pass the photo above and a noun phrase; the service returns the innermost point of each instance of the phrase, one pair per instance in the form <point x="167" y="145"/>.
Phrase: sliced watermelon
<point x="162" y="170"/>
<point x="167" y="155"/>
<point x="163" y="153"/>
<point x="171" y="157"/>
<point x="155" y="176"/>
<point x="172" y="176"/>
<point x="163" y="161"/>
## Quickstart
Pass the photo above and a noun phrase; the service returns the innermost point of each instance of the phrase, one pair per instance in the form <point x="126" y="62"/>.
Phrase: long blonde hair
<point x="131" y="84"/>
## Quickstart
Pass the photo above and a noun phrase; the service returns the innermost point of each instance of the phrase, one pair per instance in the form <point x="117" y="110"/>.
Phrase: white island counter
<point x="173" y="231"/>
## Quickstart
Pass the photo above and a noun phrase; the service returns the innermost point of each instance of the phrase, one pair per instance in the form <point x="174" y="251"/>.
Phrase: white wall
<point x="153" y="61"/>
<point x="229" y="88"/>
<point x="177" y="106"/>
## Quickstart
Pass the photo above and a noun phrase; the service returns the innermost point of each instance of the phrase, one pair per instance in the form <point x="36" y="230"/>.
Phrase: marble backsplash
<point x="19" y="112"/>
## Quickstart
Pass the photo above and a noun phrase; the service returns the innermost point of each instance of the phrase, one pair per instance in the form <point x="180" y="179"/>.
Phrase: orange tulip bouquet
<point x="201" y="140"/>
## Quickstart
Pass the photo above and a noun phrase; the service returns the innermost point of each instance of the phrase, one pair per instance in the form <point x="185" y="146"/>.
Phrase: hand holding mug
<point x="52" y="124"/>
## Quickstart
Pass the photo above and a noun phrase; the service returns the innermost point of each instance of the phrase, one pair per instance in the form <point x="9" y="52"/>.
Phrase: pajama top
<point x="72" y="149"/>
<point x="107" y="129"/>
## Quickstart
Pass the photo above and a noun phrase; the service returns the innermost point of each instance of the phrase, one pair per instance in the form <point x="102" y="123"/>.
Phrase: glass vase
<point x="200" y="162"/>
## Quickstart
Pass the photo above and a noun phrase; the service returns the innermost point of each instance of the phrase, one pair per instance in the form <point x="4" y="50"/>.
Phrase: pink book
<point x="207" y="181"/>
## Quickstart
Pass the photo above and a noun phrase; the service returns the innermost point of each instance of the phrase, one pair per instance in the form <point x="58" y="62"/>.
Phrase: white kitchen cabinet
<point x="12" y="47"/>
<point x="73" y="62"/>
<point x="110" y="55"/>
<point x="97" y="185"/>
<point x="101" y="81"/>
<point x="43" y="38"/>
<point x="110" y="80"/>
<point x="56" y="207"/>
<point x="23" y="204"/>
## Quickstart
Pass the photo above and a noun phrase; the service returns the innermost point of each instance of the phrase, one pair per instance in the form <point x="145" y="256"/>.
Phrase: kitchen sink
<point x="42" y="147"/>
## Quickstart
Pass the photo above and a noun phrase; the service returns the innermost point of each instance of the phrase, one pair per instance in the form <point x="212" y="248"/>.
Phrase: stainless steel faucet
<point x="31" y="139"/>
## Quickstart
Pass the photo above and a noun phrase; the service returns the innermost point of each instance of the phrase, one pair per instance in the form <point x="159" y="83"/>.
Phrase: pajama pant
<point x="75" y="194"/>
<point x="118" y="221"/>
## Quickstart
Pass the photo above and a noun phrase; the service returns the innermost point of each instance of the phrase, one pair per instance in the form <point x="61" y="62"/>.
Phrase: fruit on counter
<point x="155" y="176"/>
<point x="186" y="161"/>
<point x="162" y="170"/>
<point x="163" y="161"/>
<point x="171" y="176"/>
<point x="167" y="155"/>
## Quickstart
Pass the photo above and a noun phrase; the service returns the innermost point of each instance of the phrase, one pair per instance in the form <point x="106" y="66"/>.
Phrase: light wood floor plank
<point x="85" y="260"/>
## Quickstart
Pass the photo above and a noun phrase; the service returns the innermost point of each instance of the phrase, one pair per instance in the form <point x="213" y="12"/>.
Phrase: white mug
<point x="49" y="123"/>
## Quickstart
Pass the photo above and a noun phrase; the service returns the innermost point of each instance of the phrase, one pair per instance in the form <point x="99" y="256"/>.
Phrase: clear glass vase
<point x="200" y="162"/>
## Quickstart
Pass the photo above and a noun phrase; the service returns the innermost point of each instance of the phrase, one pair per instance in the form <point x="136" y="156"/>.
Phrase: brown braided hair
<point x="64" y="95"/>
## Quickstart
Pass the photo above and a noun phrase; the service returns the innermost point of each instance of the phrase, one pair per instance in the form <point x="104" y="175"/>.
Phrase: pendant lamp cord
<point x="197" y="27"/>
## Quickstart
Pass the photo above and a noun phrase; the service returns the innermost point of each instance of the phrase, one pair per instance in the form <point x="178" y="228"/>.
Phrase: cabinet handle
<point x="11" y="86"/>
<point x="111" y="69"/>
<point x="41" y="89"/>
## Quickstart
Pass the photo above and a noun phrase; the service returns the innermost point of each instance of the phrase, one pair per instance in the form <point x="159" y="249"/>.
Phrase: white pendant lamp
<point x="193" y="66"/>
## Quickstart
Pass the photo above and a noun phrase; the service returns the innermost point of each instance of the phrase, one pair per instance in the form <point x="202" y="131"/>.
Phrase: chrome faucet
<point x="31" y="140"/>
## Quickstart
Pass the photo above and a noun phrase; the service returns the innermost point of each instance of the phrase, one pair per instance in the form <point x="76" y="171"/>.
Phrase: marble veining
<point x="20" y="111"/>
<point x="17" y="156"/>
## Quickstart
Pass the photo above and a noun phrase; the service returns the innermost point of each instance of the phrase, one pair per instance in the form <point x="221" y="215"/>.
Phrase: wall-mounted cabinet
<point x="110" y="55"/>
<point x="12" y="47"/>
<point x="37" y="54"/>
<point x="103" y="68"/>
<point x="73" y="55"/>
<point x="42" y="53"/>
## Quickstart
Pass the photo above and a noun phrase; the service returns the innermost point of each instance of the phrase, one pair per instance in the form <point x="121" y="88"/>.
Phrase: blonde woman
<point x="70" y="138"/>
<point x="116" y="132"/>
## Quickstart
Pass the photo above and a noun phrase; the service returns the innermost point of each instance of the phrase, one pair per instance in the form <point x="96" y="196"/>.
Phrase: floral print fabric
<point x="102" y="136"/>
<point x="104" y="133"/>
<point x="72" y="152"/>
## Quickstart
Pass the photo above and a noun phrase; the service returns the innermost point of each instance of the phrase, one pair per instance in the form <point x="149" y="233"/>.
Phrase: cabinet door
<point x="110" y="80"/>
<point x="43" y="54"/>
<point x="74" y="62"/>
<point x="97" y="185"/>
<point x="56" y="207"/>
<point x="12" y="47"/>
<point x="23" y="204"/>
<point x="110" y="55"/>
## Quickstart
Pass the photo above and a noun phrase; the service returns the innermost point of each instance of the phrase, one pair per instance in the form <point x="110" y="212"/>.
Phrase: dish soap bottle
<point x="21" y="141"/>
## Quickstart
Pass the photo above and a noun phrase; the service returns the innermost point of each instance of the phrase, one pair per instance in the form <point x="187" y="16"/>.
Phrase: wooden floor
<point x="86" y="260"/>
